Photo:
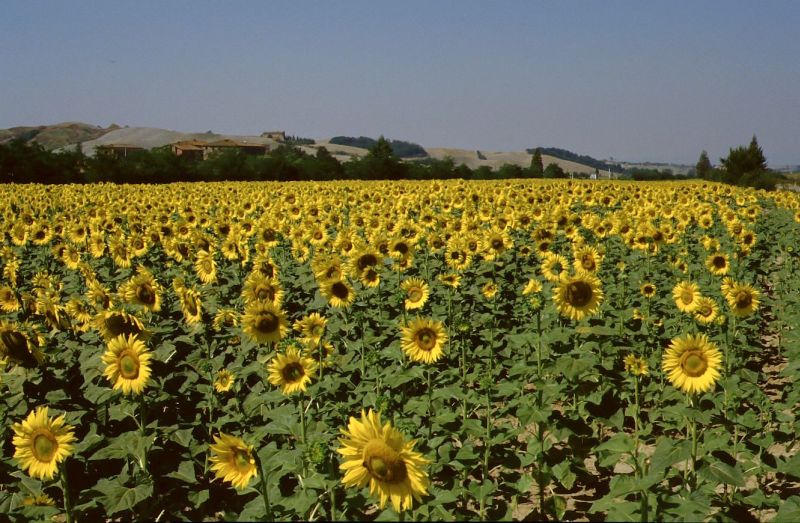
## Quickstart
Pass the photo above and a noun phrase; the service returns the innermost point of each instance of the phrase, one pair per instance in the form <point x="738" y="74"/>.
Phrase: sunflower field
<point x="517" y="349"/>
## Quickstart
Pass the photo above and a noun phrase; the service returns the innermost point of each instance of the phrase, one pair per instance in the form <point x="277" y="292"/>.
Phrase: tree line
<point x="22" y="162"/>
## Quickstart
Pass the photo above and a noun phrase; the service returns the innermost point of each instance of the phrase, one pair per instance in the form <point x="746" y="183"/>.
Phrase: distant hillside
<point x="55" y="136"/>
<point x="578" y="158"/>
<point x="400" y="148"/>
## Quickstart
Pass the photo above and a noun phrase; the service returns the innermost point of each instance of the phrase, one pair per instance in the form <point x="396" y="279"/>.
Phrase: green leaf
<point x="724" y="473"/>
<point x="119" y="497"/>
<point x="789" y="511"/>
<point x="185" y="472"/>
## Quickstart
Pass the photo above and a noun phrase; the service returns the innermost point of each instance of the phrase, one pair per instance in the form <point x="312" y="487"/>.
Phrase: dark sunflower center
<point x="317" y="330"/>
<point x="129" y="366"/>
<point x="497" y="244"/>
<point x="743" y="300"/>
<point x="587" y="261"/>
<point x="191" y="306"/>
<point x="719" y="262"/>
<point x="241" y="460"/>
<point x="44" y="447"/>
<point x="146" y="294"/>
<point x="293" y="372"/>
<point x="340" y="290"/>
<point x="367" y="260"/>
<point x="414" y="295"/>
<point x="118" y="324"/>
<point x="704" y="310"/>
<point x="648" y="289"/>
<point x="267" y="323"/>
<point x="265" y="293"/>
<point x="426" y="339"/>
<point x="694" y="363"/>
<point x="578" y="294"/>
<point x="384" y="463"/>
<point x="402" y="248"/>
<point x="687" y="296"/>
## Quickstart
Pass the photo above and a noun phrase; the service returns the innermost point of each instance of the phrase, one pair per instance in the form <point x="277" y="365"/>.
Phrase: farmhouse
<point x="254" y="149"/>
<point x="117" y="150"/>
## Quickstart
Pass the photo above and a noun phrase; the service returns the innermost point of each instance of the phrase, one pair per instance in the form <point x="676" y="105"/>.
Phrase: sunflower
<point x="587" y="258"/>
<point x="320" y="353"/>
<point x="264" y="322"/>
<point x="42" y="500"/>
<point x="691" y="363"/>
<point x="417" y="293"/>
<point x="338" y="292"/>
<point x="8" y="300"/>
<point x="312" y="327"/>
<point x="41" y="443"/>
<point x="260" y="289"/>
<point x="225" y="318"/>
<point x="532" y="286"/>
<point x="578" y="296"/>
<point x="191" y="306"/>
<point x="142" y="290"/>
<point x="19" y="346"/>
<point x="127" y="364"/>
<point x="489" y="290"/>
<point x="370" y="277"/>
<point x="742" y="299"/>
<point x="224" y="381"/>
<point x="451" y="279"/>
<point x="115" y="323"/>
<point x="553" y="266"/>
<point x="686" y="294"/>
<point x="495" y="243"/>
<point x="717" y="264"/>
<point x="291" y="371"/>
<point x="232" y="460"/>
<point x="706" y="310"/>
<point x="364" y="258"/>
<point x="423" y="340"/>
<point x="648" y="290"/>
<point x="380" y="456"/>
<point x="636" y="365"/>
<point x="205" y="267"/>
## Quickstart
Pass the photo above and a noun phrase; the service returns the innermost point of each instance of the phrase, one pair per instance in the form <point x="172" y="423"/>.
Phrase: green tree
<point x="537" y="168"/>
<point x="553" y="170"/>
<point x="703" y="169"/>
<point x="744" y="162"/>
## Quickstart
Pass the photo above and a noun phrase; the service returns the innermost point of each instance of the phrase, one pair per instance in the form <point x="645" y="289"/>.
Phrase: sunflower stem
<point x="65" y="490"/>
<point x="430" y="404"/>
<point x="142" y="426"/>
<point x="264" y="491"/>
<point x="332" y="492"/>
<point x="693" y="431"/>
<point x="301" y="404"/>
<point x="539" y="342"/>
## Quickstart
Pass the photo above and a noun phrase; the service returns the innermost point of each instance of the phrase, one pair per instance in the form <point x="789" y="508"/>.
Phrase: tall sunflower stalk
<point x="65" y="490"/>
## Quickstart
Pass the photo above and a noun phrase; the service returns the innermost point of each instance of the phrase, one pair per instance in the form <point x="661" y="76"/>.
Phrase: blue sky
<point x="632" y="80"/>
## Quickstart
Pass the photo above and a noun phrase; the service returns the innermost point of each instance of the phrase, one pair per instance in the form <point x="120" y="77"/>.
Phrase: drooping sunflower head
<point x="691" y="363"/>
<point x="379" y="456"/>
<point x="291" y="371"/>
<point x="450" y="279"/>
<point x="489" y="290"/>
<point x="533" y="286"/>
<point x="112" y="324"/>
<point x="41" y="443"/>
<point x="578" y="296"/>
<point x="423" y="340"/>
<point x="225" y="318"/>
<point x="264" y="322"/>
<point x="233" y="461"/>
<point x="127" y="364"/>
<point x="686" y="294"/>
<point x="417" y="292"/>
<point x="19" y="346"/>
<point x="260" y="289"/>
